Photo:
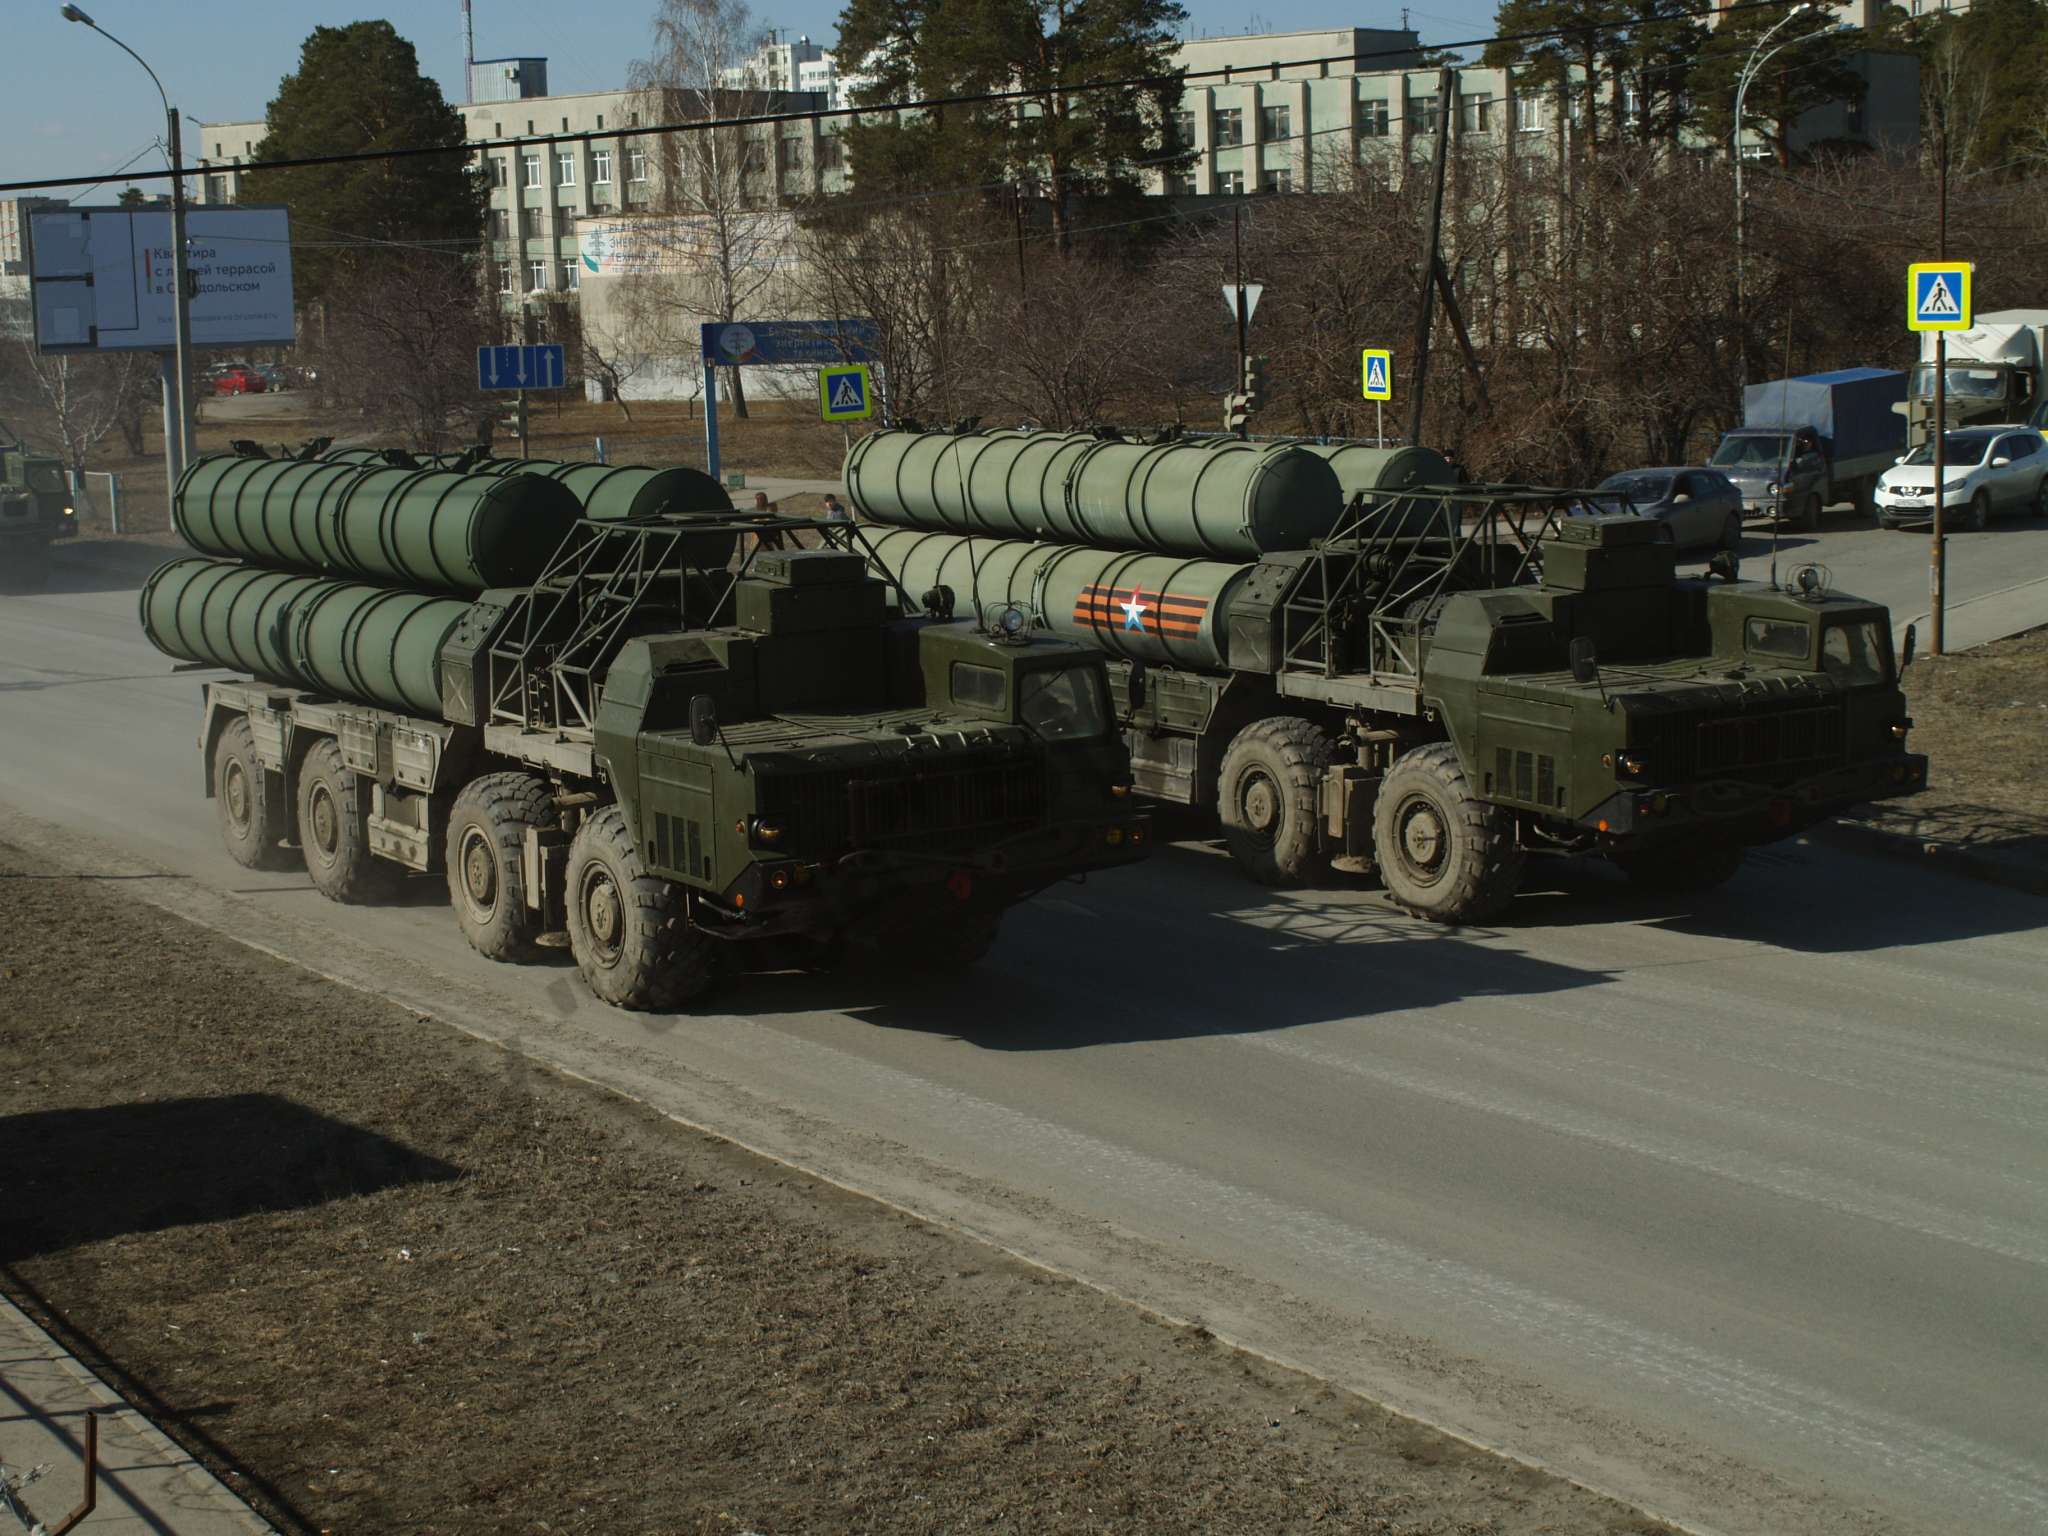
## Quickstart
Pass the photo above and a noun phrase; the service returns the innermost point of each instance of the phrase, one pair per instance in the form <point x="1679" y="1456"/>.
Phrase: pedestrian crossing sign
<point x="1379" y="375"/>
<point x="1938" y="296"/>
<point x="845" y="394"/>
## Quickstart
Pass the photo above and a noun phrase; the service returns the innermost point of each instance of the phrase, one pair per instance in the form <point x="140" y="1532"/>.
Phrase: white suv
<point x="1988" y="469"/>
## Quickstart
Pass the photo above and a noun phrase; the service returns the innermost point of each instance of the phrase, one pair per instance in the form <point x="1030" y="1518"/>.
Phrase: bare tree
<point x="79" y="399"/>
<point x="726" y="238"/>
<point x="401" y="349"/>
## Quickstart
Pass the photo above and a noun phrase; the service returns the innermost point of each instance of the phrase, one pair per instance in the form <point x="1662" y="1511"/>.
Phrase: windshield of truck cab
<point x="1963" y="383"/>
<point x="1750" y="453"/>
<point x="1070" y="704"/>
<point x="1957" y="448"/>
<point x="1854" y="653"/>
<point x="1786" y="639"/>
<point x="46" y="477"/>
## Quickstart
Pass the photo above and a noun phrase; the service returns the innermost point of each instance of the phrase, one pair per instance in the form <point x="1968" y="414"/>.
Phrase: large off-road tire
<point x="1683" y="868"/>
<point x="252" y="817"/>
<point x="2039" y="505"/>
<point x="1444" y="854"/>
<point x="334" y="829"/>
<point x="486" y="860"/>
<point x="1268" y="795"/>
<point x="630" y="933"/>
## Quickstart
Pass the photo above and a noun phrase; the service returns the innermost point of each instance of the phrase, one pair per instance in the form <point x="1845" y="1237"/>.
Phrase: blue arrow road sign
<point x="541" y="367"/>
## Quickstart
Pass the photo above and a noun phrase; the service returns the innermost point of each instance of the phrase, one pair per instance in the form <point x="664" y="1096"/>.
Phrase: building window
<point x="1182" y="128"/>
<point x="600" y="207"/>
<point x="504" y="274"/>
<point x="572" y="276"/>
<point x="789" y="155"/>
<point x="1181" y="184"/>
<point x="218" y="154"/>
<point x="565" y="170"/>
<point x="1422" y="112"/>
<point x="1276" y="123"/>
<point x="1631" y="102"/>
<point x="1230" y="183"/>
<point x="537" y="274"/>
<point x="1475" y="113"/>
<point x="501" y="224"/>
<point x="529" y="170"/>
<point x="1227" y="128"/>
<point x="1276" y="181"/>
<point x="755" y="158"/>
<point x="529" y="222"/>
<point x="216" y="189"/>
<point x="1372" y="120"/>
<point x="565" y="125"/>
<point x="636" y="165"/>
<point x="1529" y="113"/>
<point x="600" y="167"/>
<point x="831" y="153"/>
<point x="500" y="171"/>
<point x="600" y="122"/>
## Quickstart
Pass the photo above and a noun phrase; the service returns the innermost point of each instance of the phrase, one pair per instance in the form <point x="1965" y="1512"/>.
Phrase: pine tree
<point x="359" y="87"/>
<point x="1067" y="143"/>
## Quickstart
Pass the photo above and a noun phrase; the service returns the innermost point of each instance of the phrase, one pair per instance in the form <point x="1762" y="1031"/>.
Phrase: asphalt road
<point x="1739" y="1209"/>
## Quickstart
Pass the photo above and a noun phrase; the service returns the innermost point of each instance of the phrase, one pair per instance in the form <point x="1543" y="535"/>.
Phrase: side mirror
<point x="703" y="720"/>
<point x="1134" y="688"/>
<point x="2000" y="462"/>
<point x="1912" y="641"/>
<point x="1585" y="659"/>
<point x="1683" y="498"/>
<point x="1900" y="459"/>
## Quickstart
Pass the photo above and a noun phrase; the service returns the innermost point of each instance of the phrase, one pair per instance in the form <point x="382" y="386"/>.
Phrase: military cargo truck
<point x="35" y="509"/>
<point x="1450" y="681"/>
<point x="670" y="757"/>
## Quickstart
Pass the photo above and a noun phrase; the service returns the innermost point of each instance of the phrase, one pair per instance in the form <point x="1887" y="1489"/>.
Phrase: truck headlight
<point x="764" y="830"/>
<point x="1771" y="489"/>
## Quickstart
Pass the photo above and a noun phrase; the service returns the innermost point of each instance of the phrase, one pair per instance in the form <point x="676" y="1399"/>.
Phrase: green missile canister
<point x="1145" y="607"/>
<point x="224" y="614"/>
<point x="373" y="644"/>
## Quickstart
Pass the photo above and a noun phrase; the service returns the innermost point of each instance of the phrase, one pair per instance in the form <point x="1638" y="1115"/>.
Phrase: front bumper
<point x="1747" y="811"/>
<point x="888" y="887"/>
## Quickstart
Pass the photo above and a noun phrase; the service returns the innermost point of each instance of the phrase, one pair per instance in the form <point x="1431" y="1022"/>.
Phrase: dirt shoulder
<point x="1981" y="716"/>
<point x="382" y="1277"/>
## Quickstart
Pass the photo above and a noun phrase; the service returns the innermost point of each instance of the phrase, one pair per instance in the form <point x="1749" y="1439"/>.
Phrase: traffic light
<point x="1256" y="383"/>
<point x="1236" y="409"/>
<point x="514" y="418"/>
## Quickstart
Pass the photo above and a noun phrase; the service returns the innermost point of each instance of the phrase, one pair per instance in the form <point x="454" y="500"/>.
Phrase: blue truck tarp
<point x="1850" y="408"/>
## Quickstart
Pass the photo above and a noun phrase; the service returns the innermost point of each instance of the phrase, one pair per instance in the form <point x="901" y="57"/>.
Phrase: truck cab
<point x="823" y="762"/>
<point x="35" y="508"/>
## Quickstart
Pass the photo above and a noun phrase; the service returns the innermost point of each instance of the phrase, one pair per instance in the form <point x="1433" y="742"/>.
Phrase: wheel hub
<point x="1422" y="838"/>
<point x="323" y="819"/>
<point x="601" y="912"/>
<point x="235" y="795"/>
<point x="1260" y="802"/>
<point x="479" y="871"/>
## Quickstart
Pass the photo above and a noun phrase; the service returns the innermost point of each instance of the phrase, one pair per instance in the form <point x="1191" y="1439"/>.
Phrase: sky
<point x="74" y="104"/>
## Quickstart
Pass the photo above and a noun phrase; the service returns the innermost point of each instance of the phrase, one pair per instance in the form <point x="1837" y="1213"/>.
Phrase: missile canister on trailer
<point x="1146" y="607"/>
<point x="609" y="492"/>
<point x="438" y="528"/>
<point x="1360" y="469"/>
<point x="224" y="614"/>
<point x="268" y="510"/>
<point x="1220" y="497"/>
<point x="373" y="644"/>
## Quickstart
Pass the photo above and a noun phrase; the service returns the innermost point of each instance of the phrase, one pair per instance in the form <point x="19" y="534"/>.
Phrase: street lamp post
<point x="1757" y="60"/>
<point x="177" y="371"/>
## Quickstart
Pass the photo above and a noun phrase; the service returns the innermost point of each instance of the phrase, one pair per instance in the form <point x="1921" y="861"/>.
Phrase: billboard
<point x="102" y="279"/>
<point x="647" y="244"/>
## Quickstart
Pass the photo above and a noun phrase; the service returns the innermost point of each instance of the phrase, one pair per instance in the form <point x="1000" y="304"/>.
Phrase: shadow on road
<point x="85" y="1175"/>
<point x="99" y="565"/>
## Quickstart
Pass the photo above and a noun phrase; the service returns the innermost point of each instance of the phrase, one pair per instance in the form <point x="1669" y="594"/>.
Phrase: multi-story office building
<point x="539" y="191"/>
<point x="14" y="243"/>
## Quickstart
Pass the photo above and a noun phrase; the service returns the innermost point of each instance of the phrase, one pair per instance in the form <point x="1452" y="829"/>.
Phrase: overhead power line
<point x="1228" y="73"/>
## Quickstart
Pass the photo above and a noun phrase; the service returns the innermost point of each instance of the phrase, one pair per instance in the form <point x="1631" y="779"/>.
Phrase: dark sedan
<point x="1702" y="506"/>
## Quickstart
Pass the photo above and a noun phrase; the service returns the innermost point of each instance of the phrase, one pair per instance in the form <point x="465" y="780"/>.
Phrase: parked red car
<point x="238" y="379"/>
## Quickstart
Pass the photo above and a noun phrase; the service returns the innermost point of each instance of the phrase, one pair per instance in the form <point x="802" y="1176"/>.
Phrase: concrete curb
<point x="146" y="1481"/>
<point x="1950" y="858"/>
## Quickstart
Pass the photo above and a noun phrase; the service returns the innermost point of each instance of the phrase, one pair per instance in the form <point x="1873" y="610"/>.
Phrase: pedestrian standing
<point x="834" y="512"/>
<point x="767" y="538"/>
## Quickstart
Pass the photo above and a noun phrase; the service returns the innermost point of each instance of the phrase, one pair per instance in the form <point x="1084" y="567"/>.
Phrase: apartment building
<point x="539" y="191"/>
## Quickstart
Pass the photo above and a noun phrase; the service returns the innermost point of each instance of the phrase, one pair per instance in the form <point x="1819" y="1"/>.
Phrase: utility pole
<point x="1432" y="254"/>
<point x="1243" y="313"/>
<point x="1937" y="554"/>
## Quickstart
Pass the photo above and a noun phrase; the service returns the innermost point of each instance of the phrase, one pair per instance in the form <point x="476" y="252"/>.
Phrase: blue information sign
<point x="541" y="367"/>
<point x="738" y="343"/>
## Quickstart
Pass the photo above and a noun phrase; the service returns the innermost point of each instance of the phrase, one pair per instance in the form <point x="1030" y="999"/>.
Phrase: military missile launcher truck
<point x="35" y="508"/>
<point x="1433" y="683"/>
<point x="667" y="755"/>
